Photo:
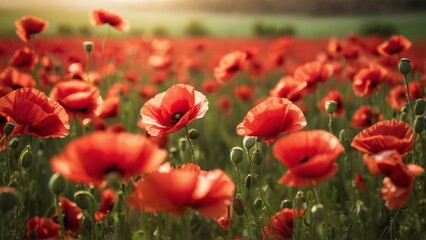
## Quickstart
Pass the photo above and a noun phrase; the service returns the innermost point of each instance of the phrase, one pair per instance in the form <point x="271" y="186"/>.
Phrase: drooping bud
<point x="8" y="198"/>
<point x="57" y="183"/>
<point x="258" y="203"/>
<point x="14" y="143"/>
<point x="88" y="46"/>
<point x="405" y="66"/>
<point x="237" y="155"/>
<point x="8" y="129"/>
<point x="257" y="156"/>
<point x="249" y="142"/>
<point x="419" y="124"/>
<point x="26" y="157"/>
<point x="330" y="107"/>
<point x="287" y="203"/>
<point x="318" y="212"/>
<point x="83" y="199"/>
<point x="87" y="223"/>
<point x="193" y="133"/>
<point x="248" y="181"/>
<point x="238" y="205"/>
<point x="419" y="107"/>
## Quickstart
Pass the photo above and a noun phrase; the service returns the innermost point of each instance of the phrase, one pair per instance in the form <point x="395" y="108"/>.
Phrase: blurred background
<point x="225" y="18"/>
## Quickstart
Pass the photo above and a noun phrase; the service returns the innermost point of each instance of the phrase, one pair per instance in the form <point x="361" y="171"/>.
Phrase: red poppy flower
<point x="148" y="91"/>
<point x="309" y="156"/>
<point x="71" y="213"/>
<point x="359" y="182"/>
<point x="333" y="95"/>
<point x="12" y="78"/>
<point x="382" y="162"/>
<point x="396" y="44"/>
<point x="42" y="228"/>
<point x="229" y="65"/>
<point x="29" y="25"/>
<point x="110" y="107"/>
<point x="33" y="113"/>
<point x="3" y="122"/>
<point x="210" y="86"/>
<point x="208" y="192"/>
<point x="313" y="73"/>
<point x="123" y="153"/>
<point x="108" y="199"/>
<point x="159" y="77"/>
<point x="271" y="118"/>
<point x="244" y="92"/>
<point x="397" y="96"/>
<point x="224" y="221"/>
<point x="367" y="80"/>
<point x="24" y="59"/>
<point x="224" y="104"/>
<point x="385" y="135"/>
<point x="159" y="61"/>
<point x="100" y="16"/>
<point x="79" y="98"/>
<point x="281" y="224"/>
<point x="290" y="88"/>
<point x="172" y="110"/>
<point x="364" y="117"/>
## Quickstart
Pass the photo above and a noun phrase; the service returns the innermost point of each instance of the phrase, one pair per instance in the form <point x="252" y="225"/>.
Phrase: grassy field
<point x="232" y="24"/>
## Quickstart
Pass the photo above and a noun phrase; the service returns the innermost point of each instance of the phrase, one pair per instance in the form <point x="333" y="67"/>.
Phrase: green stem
<point x="330" y="123"/>
<point x="229" y="224"/>
<point x="190" y="145"/>
<point x="409" y="97"/>
<point x="60" y="218"/>
<point x="88" y="66"/>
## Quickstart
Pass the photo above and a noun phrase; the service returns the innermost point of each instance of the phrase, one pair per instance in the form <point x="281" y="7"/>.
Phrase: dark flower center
<point x="303" y="160"/>
<point x="176" y="117"/>
<point x="113" y="169"/>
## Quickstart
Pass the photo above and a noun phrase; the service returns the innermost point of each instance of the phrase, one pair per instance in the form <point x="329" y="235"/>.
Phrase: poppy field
<point x="210" y="138"/>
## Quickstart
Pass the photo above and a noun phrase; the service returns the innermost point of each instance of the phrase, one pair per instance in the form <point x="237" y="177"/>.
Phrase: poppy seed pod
<point x="419" y="107"/>
<point x="248" y="181"/>
<point x="14" y="143"/>
<point x="237" y="155"/>
<point x="419" y="124"/>
<point x="318" y="212"/>
<point x="26" y="157"/>
<point x="193" y="133"/>
<point x="330" y="107"/>
<point x="57" y="183"/>
<point x="257" y="156"/>
<point x="8" y="198"/>
<point x="8" y="129"/>
<point x="88" y="46"/>
<point x="258" y="203"/>
<point x="238" y="206"/>
<point x="405" y="66"/>
<point x="83" y="199"/>
<point x="286" y="204"/>
<point x="249" y="142"/>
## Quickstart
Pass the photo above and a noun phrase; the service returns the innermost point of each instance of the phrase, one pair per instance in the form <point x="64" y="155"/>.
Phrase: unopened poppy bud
<point x="405" y="108"/>
<point x="381" y="219"/>
<point x="419" y="124"/>
<point x="183" y="144"/>
<point x="286" y="204"/>
<point x="8" y="198"/>
<point x="57" y="183"/>
<point x="13" y="184"/>
<point x="362" y="211"/>
<point x="26" y="157"/>
<point x="83" y="199"/>
<point x="403" y="116"/>
<point x="318" y="212"/>
<point x="237" y="155"/>
<point x="87" y="223"/>
<point x="14" y="143"/>
<point x="419" y="107"/>
<point x="193" y="133"/>
<point x="258" y="203"/>
<point x="342" y="136"/>
<point x="88" y="46"/>
<point x="404" y="66"/>
<point x="330" y="107"/>
<point x="249" y="142"/>
<point x="238" y="206"/>
<point x="8" y="129"/>
<point x="257" y="156"/>
<point x="248" y="182"/>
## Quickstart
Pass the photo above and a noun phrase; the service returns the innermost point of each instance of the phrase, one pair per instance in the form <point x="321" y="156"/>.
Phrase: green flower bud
<point x="286" y="204"/>
<point x="257" y="156"/>
<point x="88" y="46"/>
<point x="403" y="116"/>
<point x="14" y="143"/>
<point x="249" y="142"/>
<point x="193" y="133"/>
<point x="361" y="211"/>
<point x="258" y="203"/>
<point x="57" y="183"/>
<point x="419" y="107"/>
<point x="381" y="219"/>
<point x="405" y="66"/>
<point x="330" y="107"/>
<point x="318" y="213"/>
<point x="8" y="198"/>
<point x="237" y="155"/>
<point x="8" y="129"/>
<point x="238" y="206"/>
<point x="419" y="124"/>
<point x="405" y="108"/>
<point x="83" y="199"/>
<point x="183" y="144"/>
<point x="248" y="182"/>
<point x="26" y="157"/>
<point x="87" y="223"/>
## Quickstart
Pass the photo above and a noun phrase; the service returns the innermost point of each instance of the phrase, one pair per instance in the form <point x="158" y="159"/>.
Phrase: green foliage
<point x="196" y="28"/>
<point x="65" y="30"/>
<point x="268" y="30"/>
<point x="378" y="28"/>
<point x="160" y="31"/>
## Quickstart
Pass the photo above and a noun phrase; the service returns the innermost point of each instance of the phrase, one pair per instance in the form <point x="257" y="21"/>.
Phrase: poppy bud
<point x="238" y="206"/>
<point x="174" y="152"/>
<point x="193" y="133"/>
<point x="8" y="129"/>
<point x="403" y="116"/>
<point x="26" y="157"/>
<point x="286" y="204"/>
<point x="257" y="156"/>
<point x="258" y="203"/>
<point x="404" y="66"/>
<point x="8" y="198"/>
<point x="361" y="211"/>
<point x="88" y="46"/>
<point x="237" y="155"/>
<point x="248" y="181"/>
<point x="87" y="223"/>
<point x="419" y="124"/>
<point x="330" y="107"/>
<point x="419" y="107"/>
<point x="405" y="108"/>
<point x="57" y="183"/>
<point x="381" y="219"/>
<point x="14" y="143"/>
<point x="318" y="212"/>
<point x="249" y="142"/>
<point x="183" y="144"/>
<point x="83" y="199"/>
